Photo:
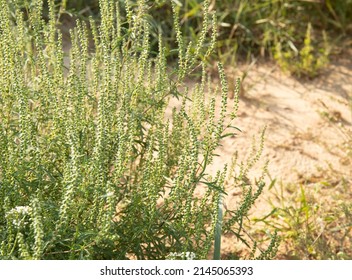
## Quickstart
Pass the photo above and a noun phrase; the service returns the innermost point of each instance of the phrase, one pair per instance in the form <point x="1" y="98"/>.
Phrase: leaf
<point x="272" y="183"/>
<point x="240" y="238"/>
<point x="267" y="216"/>
<point x="231" y="126"/>
<point x="192" y="12"/>
<point x="218" y="231"/>
<point x="227" y="135"/>
<point x="178" y="3"/>
<point x="212" y="185"/>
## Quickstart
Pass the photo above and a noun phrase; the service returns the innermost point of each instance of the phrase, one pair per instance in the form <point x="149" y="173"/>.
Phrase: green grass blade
<point x="218" y="231"/>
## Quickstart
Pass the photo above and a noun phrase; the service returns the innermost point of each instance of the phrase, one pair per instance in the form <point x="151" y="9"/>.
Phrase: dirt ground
<point x="309" y="124"/>
<point x="308" y="132"/>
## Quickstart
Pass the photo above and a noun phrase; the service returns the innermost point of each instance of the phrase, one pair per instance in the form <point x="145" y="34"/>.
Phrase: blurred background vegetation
<point x="301" y="35"/>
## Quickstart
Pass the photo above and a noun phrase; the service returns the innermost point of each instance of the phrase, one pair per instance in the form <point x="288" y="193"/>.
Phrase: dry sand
<point x="309" y="125"/>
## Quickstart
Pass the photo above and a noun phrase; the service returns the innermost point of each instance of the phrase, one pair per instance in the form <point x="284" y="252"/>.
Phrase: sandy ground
<point x="305" y="121"/>
<point x="308" y="132"/>
<point x="309" y="125"/>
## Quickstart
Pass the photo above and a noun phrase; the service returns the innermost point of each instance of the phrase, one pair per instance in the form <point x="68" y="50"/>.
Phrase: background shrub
<point x="250" y="27"/>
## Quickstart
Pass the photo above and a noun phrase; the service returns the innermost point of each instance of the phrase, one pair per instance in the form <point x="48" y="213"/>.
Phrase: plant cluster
<point x="314" y="223"/>
<point x="249" y="27"/>
<point x="305" y="62"/>
<point x="92" y="167"/>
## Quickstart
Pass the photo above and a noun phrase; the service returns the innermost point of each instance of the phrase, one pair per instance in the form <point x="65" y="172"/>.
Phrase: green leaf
<point x="218" y="231"/>
<point x="212" y="185"/>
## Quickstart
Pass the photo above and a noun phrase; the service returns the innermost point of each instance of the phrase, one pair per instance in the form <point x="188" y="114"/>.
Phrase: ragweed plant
<point x="92" y="167"/>
<point x="305" y="62"/>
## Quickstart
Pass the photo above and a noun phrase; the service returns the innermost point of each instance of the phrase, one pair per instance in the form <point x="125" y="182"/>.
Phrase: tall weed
<point x="92" y="167"/>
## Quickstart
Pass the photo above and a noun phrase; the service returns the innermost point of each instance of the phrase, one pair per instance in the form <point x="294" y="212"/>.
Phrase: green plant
<point x="92" y="167"/>
<point x="312" y="223"/>
<point x="305" y="62"/>
<point x="252" y="27"/>
<point x="246" y="27"/>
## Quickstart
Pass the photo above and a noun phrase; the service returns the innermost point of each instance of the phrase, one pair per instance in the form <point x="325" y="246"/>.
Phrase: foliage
<point x="305" y="62"/>
<point x="274" y="29"/>
<point x="92" y="166"/>
<point x="251" y="27"/>
<point x="314" y="223"/>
